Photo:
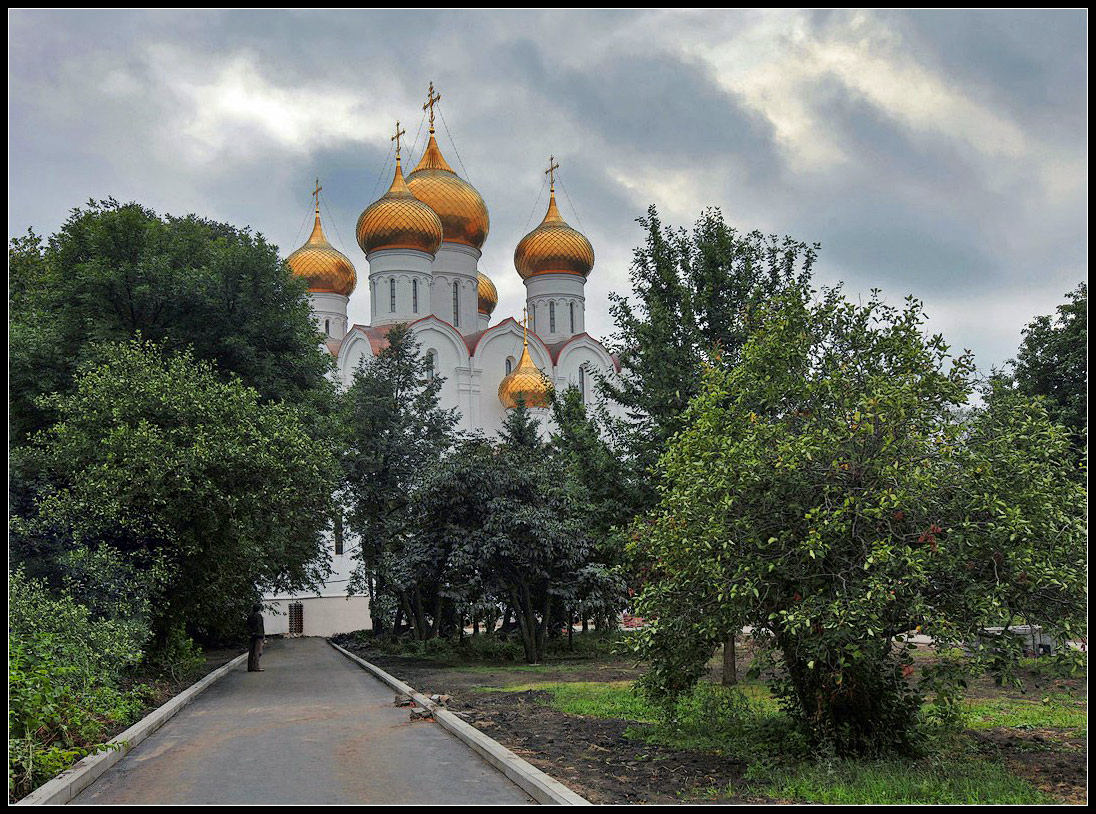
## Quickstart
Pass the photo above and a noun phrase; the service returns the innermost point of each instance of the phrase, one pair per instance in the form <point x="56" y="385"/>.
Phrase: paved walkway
<point x="312" y="728"/>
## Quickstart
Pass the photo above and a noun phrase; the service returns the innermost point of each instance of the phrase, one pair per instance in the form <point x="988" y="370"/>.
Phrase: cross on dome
<point x="396" y="138"/>
<point x="431" y="100"/>
<point x="551" y="171"/>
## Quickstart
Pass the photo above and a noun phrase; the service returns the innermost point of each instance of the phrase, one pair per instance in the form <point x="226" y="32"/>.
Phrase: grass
<point x="592" y="699"/>
<point x="960" y="782"/>
<point x="1053" y="712"/>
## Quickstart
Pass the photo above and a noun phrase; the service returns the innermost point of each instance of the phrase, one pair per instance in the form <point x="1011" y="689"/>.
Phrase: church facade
<point x="422" y="242"/>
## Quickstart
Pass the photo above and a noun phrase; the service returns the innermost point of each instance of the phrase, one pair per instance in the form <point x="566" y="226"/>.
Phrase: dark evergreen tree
<point x="395" y="436"/>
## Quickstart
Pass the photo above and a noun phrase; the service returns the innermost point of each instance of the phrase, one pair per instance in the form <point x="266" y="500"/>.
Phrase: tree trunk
<point x="730" y="671"/>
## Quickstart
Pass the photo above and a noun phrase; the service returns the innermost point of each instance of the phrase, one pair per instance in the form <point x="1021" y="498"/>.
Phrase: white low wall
<point x="323" y="615"/>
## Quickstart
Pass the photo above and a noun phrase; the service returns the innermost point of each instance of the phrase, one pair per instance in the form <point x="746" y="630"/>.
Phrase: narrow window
<point x="415" y="296"/>
<point x="582" y="383"/>
<point x="456" y="304"/>
<point x="327" y="326"/>
<point x="338" y="533"/>
<point x="551" y="317"/>
<point x="572" y="319"/>
<point x="392" y="295"/>
<point x="430" y="364"/>
<point x="509" y="365"/>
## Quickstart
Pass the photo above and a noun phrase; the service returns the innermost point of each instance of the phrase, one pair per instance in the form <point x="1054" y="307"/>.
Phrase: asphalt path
<point x="313" y="727"/>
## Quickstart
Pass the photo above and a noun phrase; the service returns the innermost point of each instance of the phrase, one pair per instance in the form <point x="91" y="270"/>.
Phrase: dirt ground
<point x="593" y="757"/>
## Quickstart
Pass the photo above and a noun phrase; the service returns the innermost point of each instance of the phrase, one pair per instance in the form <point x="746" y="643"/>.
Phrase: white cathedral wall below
<point x="563" y="291"/>
<point x="329" y="312"/>
<point x="399" y="286"/>
<point x="455" y="263"/>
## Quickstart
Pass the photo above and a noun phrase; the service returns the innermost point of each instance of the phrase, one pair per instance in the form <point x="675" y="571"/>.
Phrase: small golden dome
<point x="488" y="294"/>
<point x="399" y="220"/>
<point x="324" y="267"/>
<point x="463" y="213"/>
<point x="554" y="248"/>
<point x="527" y="382"/>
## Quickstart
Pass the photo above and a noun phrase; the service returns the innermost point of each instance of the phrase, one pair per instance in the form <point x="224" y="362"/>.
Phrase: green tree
<point x="832" y="492"/>
<point x="1053" y="362"/>
<point x="395" y="435"/>
<point x="693" y="298"/>
<point x="114" y="271"/>
<point x="581" y="448"/>
<point x="156" y="457"/>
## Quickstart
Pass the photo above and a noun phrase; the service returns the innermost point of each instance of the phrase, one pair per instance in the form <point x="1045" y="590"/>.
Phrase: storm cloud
<point x="939" y="154"/>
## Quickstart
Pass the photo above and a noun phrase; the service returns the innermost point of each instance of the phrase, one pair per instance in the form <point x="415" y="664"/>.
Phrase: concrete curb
<point x="82" y="774"/>
<point x="527" y="777"/>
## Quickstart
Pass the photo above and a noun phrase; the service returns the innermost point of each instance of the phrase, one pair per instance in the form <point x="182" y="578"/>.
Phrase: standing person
<point x="257" y="633"/>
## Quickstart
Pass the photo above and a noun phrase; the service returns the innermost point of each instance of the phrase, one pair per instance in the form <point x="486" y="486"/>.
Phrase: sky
<point x="939" y="154"/>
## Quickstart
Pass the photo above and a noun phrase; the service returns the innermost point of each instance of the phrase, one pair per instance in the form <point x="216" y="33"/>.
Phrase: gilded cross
<point x="316" y="194"/>
<point x="431" y="100"/>
<point x="551" y="171"/>
<point x="396" y="138"/>
<point x="525" y="326"/>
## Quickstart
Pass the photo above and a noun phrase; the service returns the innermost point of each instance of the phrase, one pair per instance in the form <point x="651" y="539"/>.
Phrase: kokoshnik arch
<point x="422" y="241"/>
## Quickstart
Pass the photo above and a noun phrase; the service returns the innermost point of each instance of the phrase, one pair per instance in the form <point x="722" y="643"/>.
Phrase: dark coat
<point x="255" y="624"/>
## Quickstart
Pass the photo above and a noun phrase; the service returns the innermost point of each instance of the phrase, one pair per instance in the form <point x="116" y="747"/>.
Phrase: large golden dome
<point x="488" y="294"/>
<point x="463" y="213"/>
<point x="399" y="220"/>
<point x="526" y="382"/>
<point x="325" y="268"/>
<point x="554" y="248"/>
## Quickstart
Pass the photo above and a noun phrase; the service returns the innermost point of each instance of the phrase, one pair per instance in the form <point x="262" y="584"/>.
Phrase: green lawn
<point x="956" y="781"/>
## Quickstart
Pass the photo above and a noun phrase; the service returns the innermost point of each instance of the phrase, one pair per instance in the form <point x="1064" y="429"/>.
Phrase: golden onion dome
<point x="324" y="268"/>
<point x="526" y="382"/>
<point x="554" y="248"/>
<point x="399" y="220"/>
<point x="463" y="213"/>
<point x="488" y="294"/>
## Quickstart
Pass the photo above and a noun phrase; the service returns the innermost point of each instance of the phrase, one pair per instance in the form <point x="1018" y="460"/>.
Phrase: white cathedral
<point x="422" y="241"/>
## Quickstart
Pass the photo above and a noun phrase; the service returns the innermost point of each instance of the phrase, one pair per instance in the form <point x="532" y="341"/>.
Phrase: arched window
<point x="582" y="382"/>
<point x="373" y="296"/>
<point x="415" y="296"/>
<point x="338" y="533"/>
<point x="431" y="364"/>
<point x="551" y="317"/>
<point x="456" y="304"/>
<point x="572" y="319"/>
<point x="327" y="327"/>
<point x="509" y="365"/>
<point x="392" y="294"/>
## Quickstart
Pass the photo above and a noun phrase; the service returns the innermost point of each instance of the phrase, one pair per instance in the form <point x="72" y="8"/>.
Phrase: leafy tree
<point x="1053" y="362"/>
<point x="581" y="448"/>
<point x="693" y="302"/>
<point x="395" y="434"/>
<point x="118" y="270"/>
<point x="156" y="457"/>
<point x="831" y="492"/>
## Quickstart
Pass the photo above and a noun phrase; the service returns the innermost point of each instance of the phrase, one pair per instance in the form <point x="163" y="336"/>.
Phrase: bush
<point x="65" y="682"/>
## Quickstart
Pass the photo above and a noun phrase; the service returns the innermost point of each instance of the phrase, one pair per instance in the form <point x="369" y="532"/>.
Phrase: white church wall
<point x="456" y="263"/>
<point x="399" y="285"/>
<point x="451" y="361"/>
<point x="321" y="616"/>
<point x="329" y="312"/>
<point x="548" y="293"/>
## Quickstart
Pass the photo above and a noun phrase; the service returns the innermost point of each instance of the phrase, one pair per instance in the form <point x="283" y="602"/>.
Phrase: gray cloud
<point x="942" y="154"/>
